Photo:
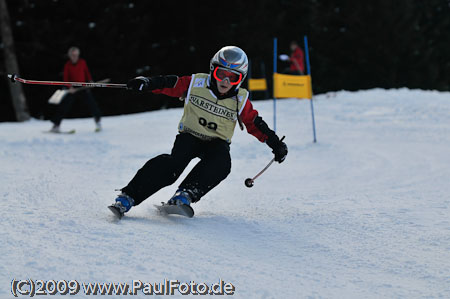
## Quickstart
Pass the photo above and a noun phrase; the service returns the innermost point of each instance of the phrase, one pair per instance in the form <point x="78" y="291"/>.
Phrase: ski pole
<point x="14" y="78"/>
<point x="249" y="182"/>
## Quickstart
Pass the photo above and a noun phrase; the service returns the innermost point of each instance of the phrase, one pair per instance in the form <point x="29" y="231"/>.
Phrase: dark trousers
<point x="67" y="103"/>
<point x="164" y="170"/>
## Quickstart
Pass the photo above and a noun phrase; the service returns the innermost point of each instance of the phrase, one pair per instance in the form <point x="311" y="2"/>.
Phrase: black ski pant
<point x="163" y="170"/>
<point x="67" y="103"/>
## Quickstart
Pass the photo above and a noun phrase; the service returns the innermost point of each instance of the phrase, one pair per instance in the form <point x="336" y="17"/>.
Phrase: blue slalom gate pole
<point x="275" y="40"/>
<point x="308" y="72"/>
<point x="308" y="65"/>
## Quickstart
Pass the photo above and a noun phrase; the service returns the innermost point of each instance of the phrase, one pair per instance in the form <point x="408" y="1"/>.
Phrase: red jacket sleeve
<point x="248" y="116"/>
<point x="180" y="89"/>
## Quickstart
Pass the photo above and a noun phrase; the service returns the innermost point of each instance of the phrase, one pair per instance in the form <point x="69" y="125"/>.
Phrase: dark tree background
<point x="353" y="44"/>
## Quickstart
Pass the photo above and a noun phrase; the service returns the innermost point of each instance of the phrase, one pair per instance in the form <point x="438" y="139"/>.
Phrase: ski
<point x="115" y="211"/>
<point x="183" y="210"/>
<point x="61" y="132"/>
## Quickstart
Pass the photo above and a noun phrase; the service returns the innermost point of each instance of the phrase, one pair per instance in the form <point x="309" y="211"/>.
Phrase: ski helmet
<point x="231" y="58"/>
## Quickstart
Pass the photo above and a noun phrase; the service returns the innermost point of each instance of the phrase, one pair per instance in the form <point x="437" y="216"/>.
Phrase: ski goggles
<point x="221" y="74"/>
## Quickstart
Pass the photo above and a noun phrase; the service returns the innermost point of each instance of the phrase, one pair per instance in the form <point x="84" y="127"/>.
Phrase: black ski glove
<point x="151" y="83"/>
<point x="279" y="148"/>
<point x="139" y="84"/>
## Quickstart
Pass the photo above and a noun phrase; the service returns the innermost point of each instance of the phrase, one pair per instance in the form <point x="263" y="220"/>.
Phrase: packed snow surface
<point x="362" y="213"/>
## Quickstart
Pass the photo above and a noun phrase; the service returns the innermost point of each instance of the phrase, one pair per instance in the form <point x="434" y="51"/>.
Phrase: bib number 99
<point x="209" y="125"/>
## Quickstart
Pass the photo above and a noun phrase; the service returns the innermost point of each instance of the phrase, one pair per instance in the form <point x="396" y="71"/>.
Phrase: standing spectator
<point x="297" y="60"/>
<point x="76" y="70"/>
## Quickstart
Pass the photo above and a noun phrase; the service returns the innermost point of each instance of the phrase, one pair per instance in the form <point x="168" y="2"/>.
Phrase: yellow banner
<point x="292" y="86"/>
<point x="257" y="84"/>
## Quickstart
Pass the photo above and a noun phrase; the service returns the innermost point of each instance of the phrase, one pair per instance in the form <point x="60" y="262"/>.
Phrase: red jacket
<point x="297" y="60"/>
<point x="248" y="114"/>
<point x="77" y="72"/>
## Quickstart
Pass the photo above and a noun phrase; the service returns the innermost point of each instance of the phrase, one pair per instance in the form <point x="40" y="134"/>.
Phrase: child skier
<point x="213" y="103"/>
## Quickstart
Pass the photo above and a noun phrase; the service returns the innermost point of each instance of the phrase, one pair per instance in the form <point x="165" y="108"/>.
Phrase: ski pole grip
<point x="12" y="77"/>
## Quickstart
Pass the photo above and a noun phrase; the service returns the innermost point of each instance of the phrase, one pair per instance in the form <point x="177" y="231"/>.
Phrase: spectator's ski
<point x="61" y="132"/>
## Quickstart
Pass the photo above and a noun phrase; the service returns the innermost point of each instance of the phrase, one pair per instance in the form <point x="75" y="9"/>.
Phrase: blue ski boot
<point x="122" y="205"/>
<point x="181" y="197"/>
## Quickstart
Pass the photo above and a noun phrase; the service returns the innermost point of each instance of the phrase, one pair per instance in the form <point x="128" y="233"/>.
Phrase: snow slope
<point x="363" y="213"/>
